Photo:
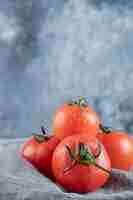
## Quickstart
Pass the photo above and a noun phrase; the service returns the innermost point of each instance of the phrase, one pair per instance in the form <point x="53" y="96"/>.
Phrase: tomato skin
<point x="100" y="136"/>
<point x="71" y="119"/>
<point x="120" y="149"/>
<point x="80" y="178"/>
<point x="40" y="154"/>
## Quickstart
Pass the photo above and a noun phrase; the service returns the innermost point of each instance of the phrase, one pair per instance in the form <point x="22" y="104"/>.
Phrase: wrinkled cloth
<point x="20" y="181"/>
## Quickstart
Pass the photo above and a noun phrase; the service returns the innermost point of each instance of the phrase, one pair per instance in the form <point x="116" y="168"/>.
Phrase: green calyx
<point x="40" y="138"/>
<point x="84" y="156"/>
<point x="81" y="102"/>
<point x="105" y="129"/>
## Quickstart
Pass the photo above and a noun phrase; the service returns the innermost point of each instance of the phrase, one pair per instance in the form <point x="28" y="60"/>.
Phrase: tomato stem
<point x="44" y="133"/>
<point x="41" y="137"/>
<point x="105" y="129"/>
<point x="43" y="130"/>
<point x="82" y="102"/>
<point x="102" y="168"/>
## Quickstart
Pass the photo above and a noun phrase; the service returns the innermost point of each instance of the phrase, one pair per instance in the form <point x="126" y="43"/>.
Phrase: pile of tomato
<point x="81" y="152"/>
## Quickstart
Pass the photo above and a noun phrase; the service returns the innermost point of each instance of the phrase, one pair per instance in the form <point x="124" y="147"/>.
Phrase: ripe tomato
<point x="38" y="150"/>
<point x="75" y="118"/>
<point x="120" y="149"/>
<point x="81" y="164"/>
<point x="102" y="132"/>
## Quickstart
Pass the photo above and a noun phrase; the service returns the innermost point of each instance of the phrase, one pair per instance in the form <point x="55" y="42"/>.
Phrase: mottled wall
<point x="53" y="50"/>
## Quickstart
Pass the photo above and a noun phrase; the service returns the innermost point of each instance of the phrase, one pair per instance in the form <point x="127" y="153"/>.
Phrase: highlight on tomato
<point x="75" y="117"/>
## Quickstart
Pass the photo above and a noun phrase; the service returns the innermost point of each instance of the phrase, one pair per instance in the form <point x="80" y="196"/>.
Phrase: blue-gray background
<point x="54" y="50"/>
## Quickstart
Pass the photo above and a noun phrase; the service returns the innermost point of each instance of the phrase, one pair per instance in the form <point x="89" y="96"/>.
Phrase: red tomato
<point x="102" y="132"/>
<point x="120" y="149"/>
<point x="75" y="118"/>
<point x="38" y="151"/>
<point x="81" y="164"/>
<point x="100" y="136"/>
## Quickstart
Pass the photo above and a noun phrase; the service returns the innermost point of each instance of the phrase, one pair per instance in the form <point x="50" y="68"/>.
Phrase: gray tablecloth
<point x="20" y="181"/>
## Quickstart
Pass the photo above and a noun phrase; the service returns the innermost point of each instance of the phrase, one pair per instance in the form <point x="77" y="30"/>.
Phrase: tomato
<point x="102" y="132"/>
<point x="120" y="149"/>
<point x="38" y="150"/>
<point x="75" y="118"/>
<point x="100" y="136"/>
<point x="81" y="164"/>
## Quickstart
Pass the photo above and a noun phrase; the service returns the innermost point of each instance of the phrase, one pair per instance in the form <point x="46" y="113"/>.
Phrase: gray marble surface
<point x="51" y="51"/>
